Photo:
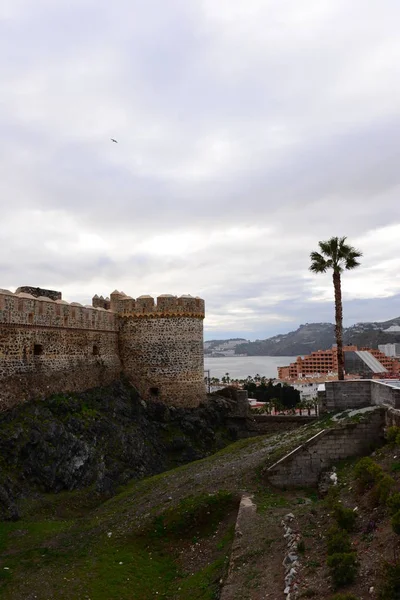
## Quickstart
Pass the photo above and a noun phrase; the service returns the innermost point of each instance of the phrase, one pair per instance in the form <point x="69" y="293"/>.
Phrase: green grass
<point x="70" y="559"/>
<point x="268" y="498"/>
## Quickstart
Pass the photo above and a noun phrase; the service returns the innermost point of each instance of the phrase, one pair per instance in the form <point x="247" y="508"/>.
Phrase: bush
<point x="391" y="434"/>
<point x="301" y="547"/>
<point x="393" y="502"/>
<point x="344" y="597"/>
<point x="343" y="567"/>
<point x="338" y="541"/>
<point x="367" y="472"/>
<point x="332" y="496"/>
<point x="396" y="522"/>
<point x="345" y="517"/>
<point x="381" y="490"/>
<point x="390" y="586"/>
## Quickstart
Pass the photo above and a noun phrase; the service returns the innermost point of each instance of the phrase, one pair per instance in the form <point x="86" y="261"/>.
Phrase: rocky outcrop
<point x="102" y="437"/>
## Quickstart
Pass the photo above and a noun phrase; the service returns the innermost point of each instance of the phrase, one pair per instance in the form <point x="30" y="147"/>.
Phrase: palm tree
<point x="335" y="254"/>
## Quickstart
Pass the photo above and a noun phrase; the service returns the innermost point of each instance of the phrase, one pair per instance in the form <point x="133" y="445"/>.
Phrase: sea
<point x="239" y="367"/>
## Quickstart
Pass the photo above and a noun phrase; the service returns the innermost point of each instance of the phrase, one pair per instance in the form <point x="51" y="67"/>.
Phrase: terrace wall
<point x="304" y="465"/>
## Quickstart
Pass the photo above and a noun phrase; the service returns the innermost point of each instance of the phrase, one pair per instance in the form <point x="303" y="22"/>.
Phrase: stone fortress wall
<point x="48" y="345"/>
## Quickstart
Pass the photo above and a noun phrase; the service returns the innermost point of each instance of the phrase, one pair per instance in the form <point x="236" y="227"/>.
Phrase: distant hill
<point x="223" y="347"/>
<point x="321" y="336"/>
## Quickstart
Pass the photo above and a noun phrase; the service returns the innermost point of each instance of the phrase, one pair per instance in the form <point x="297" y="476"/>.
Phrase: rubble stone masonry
<point x="49" y="346"/>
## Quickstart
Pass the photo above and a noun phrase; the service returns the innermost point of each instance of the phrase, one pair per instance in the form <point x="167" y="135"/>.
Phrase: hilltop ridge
<point x="310" y="337"/>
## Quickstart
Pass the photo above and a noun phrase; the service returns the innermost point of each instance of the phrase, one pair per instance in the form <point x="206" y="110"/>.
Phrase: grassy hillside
<point x="170" y="536"/>
<point x="167" y="536"/>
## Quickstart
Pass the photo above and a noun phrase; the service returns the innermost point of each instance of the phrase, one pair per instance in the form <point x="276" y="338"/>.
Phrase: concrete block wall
<point x="384" y="393"/>
<point x="303" y="466"/>
<point x="347" y="394"/>
<point x="340" y="395"/>
<point x="392" y="417"/>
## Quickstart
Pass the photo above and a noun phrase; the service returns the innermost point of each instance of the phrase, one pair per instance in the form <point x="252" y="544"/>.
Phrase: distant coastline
<point x="241" y="366"/>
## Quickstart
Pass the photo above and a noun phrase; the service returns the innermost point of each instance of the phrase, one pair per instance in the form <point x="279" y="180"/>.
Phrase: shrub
<point x="391" y="434"/>
<point x="338" y="541"/>
<point x="344" y="597"/>
<point x="301" y="547"/>
<point x="345" y="517"/>
<point x="390" y="585"/>
<point x="381" y="490"/>
<point x="343" y="567"/>
<point x="393" y="502"/>
<point x="332" y="497"/>
<point x="367" y="472"/>
<point x="396" y="522"/>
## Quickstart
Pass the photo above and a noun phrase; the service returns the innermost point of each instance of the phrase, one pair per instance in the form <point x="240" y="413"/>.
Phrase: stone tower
<point x="161" y="346"/>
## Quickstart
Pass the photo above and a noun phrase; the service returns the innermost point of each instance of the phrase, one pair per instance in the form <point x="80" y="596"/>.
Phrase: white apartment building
<point x="392" y="350"/>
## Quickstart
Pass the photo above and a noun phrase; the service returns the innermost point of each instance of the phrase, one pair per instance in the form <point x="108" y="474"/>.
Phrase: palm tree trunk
<point x="339" y="323"/>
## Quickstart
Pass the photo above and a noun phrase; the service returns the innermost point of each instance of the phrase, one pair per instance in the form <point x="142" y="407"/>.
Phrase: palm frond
<point x="351" y="262"/>
<point x="328" y="247"/>
<point x="318" y="263"/>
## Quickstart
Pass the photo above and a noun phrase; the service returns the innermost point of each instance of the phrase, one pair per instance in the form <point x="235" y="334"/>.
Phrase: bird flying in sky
<point x="115" y="141"/>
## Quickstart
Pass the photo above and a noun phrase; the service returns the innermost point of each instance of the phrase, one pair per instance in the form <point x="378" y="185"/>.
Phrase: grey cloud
<point x="277" y="119"/>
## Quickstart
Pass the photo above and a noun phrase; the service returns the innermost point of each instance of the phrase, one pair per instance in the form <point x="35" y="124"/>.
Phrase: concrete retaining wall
<point x="303" y="466"/>
<point x="347" y="394"/>
<point x="383" y="393"/>
<point x="392" y="417"/>
<point x="340" y="395"/>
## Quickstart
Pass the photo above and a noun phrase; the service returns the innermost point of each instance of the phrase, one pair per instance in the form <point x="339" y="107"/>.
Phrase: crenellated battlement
<point x="165" y="305"/>
<point x="48" y="345"/>
<point x="24" y="309"/>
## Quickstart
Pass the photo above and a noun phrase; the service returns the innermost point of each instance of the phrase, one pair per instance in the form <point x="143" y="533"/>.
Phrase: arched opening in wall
<point x="154" y="391"/>
<point x="30" y="318"/>
<point x="95" y="350"/>
<point x="37" y="349"/>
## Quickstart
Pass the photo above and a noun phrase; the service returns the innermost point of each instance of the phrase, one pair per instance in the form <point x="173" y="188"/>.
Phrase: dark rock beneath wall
<point x="103" y="437"/>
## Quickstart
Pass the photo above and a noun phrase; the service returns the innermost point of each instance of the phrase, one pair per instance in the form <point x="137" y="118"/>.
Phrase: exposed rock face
<point x="105" y="437"/>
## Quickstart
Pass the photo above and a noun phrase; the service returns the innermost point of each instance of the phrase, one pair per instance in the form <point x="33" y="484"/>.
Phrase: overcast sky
<point x="247" y="131"/>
